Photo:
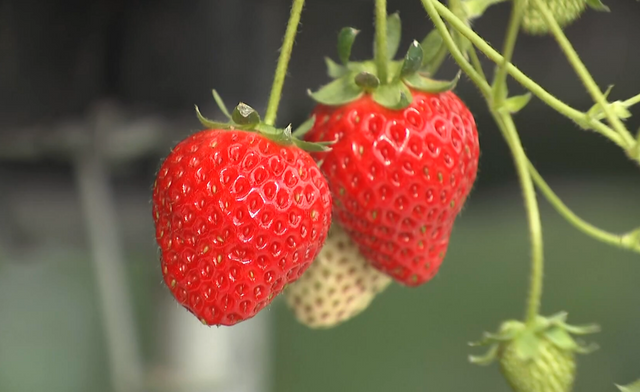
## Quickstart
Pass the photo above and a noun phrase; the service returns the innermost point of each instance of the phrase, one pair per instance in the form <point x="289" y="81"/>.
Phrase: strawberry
<point x="240" y="211"/>
<point x="404" y="160"/>
<point x="538" y="357"/>
<point x="564" y="12"/>
<point x="338" y="286"/>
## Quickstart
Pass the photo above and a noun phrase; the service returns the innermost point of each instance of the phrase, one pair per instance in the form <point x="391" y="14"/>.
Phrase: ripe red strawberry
<point x="404" y="162"/>
<point x="238" y="216"/>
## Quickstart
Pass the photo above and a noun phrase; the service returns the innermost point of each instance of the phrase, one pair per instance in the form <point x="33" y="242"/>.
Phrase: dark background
<point x="63" y="64"/>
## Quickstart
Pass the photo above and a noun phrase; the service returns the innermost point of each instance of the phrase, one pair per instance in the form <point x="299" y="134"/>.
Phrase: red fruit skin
<point x="399" y="177"/>
<point x="237" y="217"/>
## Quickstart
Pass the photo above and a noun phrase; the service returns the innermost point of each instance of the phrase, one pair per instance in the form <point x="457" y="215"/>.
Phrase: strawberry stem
<point x="583" y="73"/>
<point x="382" y="54"/>
<point x="500" y="80"/>
<point x="283" y="62"/>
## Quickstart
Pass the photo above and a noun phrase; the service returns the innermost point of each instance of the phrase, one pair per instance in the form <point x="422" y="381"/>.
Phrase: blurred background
<point x="94" y="93"/>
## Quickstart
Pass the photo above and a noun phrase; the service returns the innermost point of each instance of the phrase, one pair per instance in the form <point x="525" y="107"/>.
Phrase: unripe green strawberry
<point x="338" y="285"/>
<point x="536" y="357"/>
<point x="564" y="12"/>
<point x="551" y="370"/>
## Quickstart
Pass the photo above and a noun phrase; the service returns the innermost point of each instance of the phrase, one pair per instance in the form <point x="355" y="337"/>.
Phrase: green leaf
<point x="338" y="92"/>
<point x="431" y="45"/>
<point x="305" y="127"/>
<point x="394" y="33"/>
<point x="244" y="114"/>
<point x="425" y="84"/>
<point x="412" y="60"/>
<point x="367" y="81"/>
<point x="598" y="5"/>
<point x="220" y="103"/>
<point x="209" y="123"/>
<point x="393" y="96"/>
<point x="345" y="42"/>
<point x="364" y="66"/>
<point x="635" y="387"/>
<point x="517" y="102"/>
<point x="335" y="70"/>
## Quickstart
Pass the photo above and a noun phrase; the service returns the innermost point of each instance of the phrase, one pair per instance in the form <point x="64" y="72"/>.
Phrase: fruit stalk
<point x="283" y="62"/>
<point x="508" y="128"/>
<point x="575" y="220"/>
<point x="582" y="72"/>
<point x="500" y="79"/>
<point x="382" y="54"/>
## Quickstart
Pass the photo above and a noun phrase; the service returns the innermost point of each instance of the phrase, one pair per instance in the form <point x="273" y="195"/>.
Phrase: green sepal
<point x="395" y="95"/>
<point x="526" y="345"/>
<point x="209" y="123"/>
<point x="304" y="127"/>
<point x="516" y="103"/>
<point x="363" y="66"/>
<point x="486" y="359"/>
<point x="245" y="116"/>
<point x="597" y="5"/>
<point x="367" y="81"/>
<point x="335" y="70"/>
<point x="431" y="45"/>
<point x="339" y="92"/>
<point x="619" y="109"/>
<point x="394" y="34"/>
<point x="412" y="60"/>
<point x="313" y="147"/>
<point x="525" y="339"/>
<point x="425" y="84"/>
<point x="346" y="37"/>
<point x="634" y="387"/>
<point x="561" y="338"/>
<point x="220" y="103"/>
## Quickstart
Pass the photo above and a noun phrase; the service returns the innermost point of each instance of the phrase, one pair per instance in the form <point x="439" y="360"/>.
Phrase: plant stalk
<point x="283" y="62"/>
<point x="382" y="54"/>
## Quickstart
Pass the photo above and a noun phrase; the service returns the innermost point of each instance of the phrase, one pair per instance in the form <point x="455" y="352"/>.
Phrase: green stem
<point x="475" y="61"/>
<point x="631" y="101"/>
<point x="505" y="122"/>
<point x="382" y="55"/>
<point x="478" y="79"/>
<point x="582" y="72"/>
<point x="577" y="116"/>
<point x="500" y="80"/>
<point x="575" y="220"/>
<point x="283" y="62"/>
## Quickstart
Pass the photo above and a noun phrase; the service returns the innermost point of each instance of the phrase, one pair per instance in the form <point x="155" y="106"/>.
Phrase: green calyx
<point x="354" y="79"/>
<point x="245" y="118"/>
<point x="527" y="340"/>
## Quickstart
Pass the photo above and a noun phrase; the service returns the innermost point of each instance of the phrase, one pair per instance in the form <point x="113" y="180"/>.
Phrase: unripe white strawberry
<point x="338" y="285"/>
